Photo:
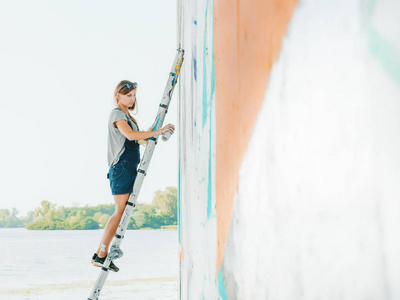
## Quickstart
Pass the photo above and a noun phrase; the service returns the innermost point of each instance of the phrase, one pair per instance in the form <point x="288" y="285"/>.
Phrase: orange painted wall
<point x="247" y="40"/>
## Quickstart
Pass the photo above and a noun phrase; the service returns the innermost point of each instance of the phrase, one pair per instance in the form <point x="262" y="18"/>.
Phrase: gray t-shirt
<point x="116" y="140"/>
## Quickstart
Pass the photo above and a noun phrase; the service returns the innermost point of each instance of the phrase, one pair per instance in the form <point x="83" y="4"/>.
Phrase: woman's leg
<point x="112" y="224"/>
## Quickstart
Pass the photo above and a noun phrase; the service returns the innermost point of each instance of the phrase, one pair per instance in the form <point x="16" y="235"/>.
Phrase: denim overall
<point x="123" y="174"/>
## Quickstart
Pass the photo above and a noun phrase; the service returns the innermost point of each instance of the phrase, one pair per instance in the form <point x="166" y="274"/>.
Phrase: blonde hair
<point x="120" y="88"/>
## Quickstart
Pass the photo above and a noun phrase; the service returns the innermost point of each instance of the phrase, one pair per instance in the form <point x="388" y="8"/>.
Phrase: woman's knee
<point x="119" y="212"/>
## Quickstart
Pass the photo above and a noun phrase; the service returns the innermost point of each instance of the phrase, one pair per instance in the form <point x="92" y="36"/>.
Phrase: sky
<point x="59" y="64"/>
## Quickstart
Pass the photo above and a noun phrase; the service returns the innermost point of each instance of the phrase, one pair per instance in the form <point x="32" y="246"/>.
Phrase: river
<point x="56" y="265"/>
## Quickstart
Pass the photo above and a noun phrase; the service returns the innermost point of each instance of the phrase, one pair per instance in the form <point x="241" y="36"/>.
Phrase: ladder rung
<point x="164" y="106"/>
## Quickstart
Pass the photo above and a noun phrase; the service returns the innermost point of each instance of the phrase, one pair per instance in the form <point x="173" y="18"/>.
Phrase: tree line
<point x="161" y="213"/>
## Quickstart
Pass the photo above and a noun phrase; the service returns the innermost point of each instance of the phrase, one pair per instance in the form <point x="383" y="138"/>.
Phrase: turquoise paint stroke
<point x="207" y="104"/>
<point x="157" y="120"/>
<point x="212" y="64"/>
<point x="221" y="286"/>
<point x="209" y="185"/>
<point x="194" y="56"/>
<point x="195" y="68"/>
<point x="382" y="49"/>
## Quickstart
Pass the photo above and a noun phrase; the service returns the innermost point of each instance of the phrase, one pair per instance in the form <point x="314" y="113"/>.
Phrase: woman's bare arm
<point x="132" y="135"/>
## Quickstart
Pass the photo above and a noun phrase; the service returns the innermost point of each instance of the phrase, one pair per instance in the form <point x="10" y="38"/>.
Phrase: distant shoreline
<point x="161" y="214"/>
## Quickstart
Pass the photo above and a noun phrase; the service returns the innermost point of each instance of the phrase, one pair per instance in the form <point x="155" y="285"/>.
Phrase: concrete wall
<point x="290" y="188"/>
<point x="196" y="191"/>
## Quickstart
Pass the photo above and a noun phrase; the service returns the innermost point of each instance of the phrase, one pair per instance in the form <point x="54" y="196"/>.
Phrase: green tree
<point x="165" y="203"/>
<point x="14" y="212"/>
<point x="4" y="214"/>
<point x="46" y="224"/>
<point x="162" y="212"/>
<point x="140" y="215"/>
<point x="62" y="212"/>
<point x="10" y="219"/>
<point x="85" y="223"/>
<point x="29" y="218"/>
<point x="101" y="218"/>
<point x="46" y="206"/>
<point x="13" y="222"/>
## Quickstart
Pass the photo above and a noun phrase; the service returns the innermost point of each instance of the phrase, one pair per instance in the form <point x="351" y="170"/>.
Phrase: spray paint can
<point x="166" y="136"/>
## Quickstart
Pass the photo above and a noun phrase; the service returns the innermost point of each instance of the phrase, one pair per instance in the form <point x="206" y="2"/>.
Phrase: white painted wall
<point x="197" y="226"/>
<point x="317" y="214"/>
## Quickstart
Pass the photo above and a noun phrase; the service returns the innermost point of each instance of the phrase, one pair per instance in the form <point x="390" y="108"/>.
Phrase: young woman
<point x="123" y="159"/>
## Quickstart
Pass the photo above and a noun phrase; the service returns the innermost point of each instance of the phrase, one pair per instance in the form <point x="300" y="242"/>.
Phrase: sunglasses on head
<point x="129" y="85"/>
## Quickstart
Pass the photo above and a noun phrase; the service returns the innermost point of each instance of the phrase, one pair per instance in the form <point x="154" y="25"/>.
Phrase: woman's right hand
<point x="168" y="127"/>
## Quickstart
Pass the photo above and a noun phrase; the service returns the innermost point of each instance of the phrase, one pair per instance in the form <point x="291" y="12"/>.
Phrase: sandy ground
<point x="138" y="289"/>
